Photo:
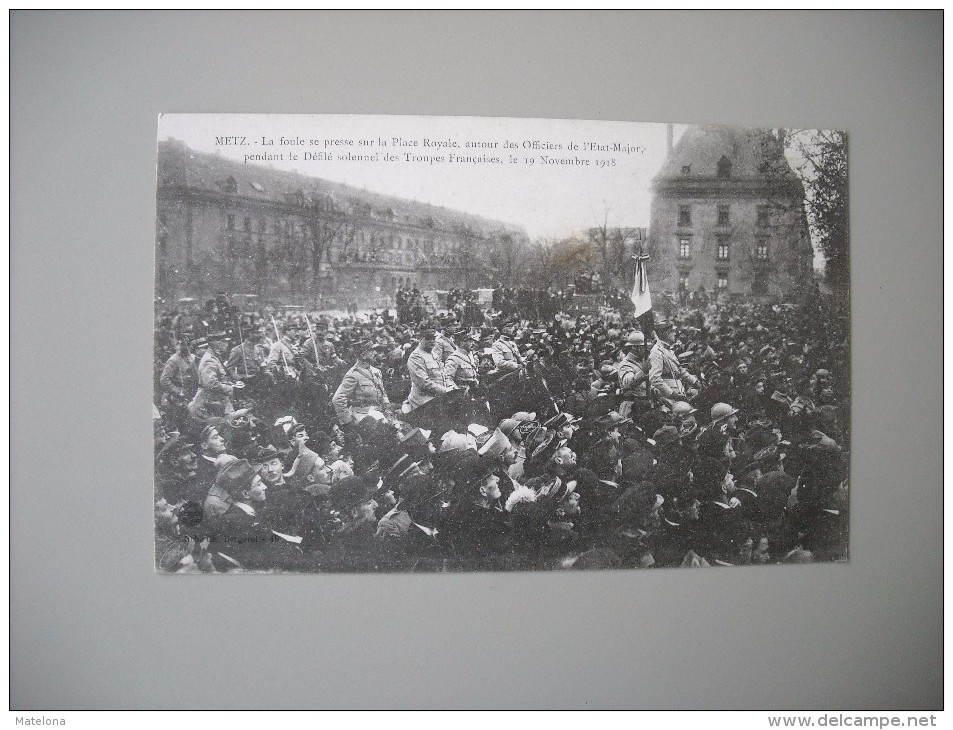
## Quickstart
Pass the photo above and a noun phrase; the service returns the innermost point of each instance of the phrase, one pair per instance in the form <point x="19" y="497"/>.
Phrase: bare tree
<point x="323" y="219"/>
<point x="613" y="245"/>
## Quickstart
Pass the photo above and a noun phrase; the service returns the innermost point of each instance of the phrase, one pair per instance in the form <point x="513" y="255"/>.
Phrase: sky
<point x="548" y="199"/>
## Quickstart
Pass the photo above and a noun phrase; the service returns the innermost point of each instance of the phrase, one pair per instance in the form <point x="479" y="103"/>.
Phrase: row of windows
<point x="724" y="216"/>
<point x="722" y="249"/>
<point x="292" y="228"/>
<point x="683" y="280"/>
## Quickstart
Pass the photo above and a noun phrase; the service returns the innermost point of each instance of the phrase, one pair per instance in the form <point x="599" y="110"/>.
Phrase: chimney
<point x="669" y="136"/>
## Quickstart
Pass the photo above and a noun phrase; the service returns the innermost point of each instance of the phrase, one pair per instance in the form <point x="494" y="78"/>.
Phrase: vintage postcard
<point x="388" y="343"/>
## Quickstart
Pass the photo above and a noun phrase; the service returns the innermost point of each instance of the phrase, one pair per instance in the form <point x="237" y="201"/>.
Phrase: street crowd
<point x="717" y="436"/>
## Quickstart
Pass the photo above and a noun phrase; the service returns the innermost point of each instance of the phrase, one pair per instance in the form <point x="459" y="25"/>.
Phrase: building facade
<point x="728" y="215"/>
<point x="288" y="238"/>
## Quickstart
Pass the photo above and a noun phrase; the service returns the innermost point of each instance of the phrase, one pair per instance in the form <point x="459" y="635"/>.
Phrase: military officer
<point x="632" y="375"/>
<point x="444" y="346"/>
<point x="426" y="375"/>
<point x="506" y="354"/>
<point x="362" y="387"/>
<point x="327" y="355"/>
<point x="462" y="366"/>
<point x="245" y="360"/>
<point x="667" y="377"/>
<point x="213" y="398"/>
<point x="179" y="379"/>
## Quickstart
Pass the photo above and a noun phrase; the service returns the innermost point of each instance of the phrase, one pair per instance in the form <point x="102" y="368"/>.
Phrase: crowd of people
<point x="289" y="441"/>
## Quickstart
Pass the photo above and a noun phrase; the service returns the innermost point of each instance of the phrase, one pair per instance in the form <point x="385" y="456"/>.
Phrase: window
<point x="230" y="222"/>
<point x="262" y="226"/>
<point x="247" y="224"/>
<point x="722" y="281"/>
<point x="684" y="215"/>
<point x="684" y="248"/>
<point x="761" y="249"/>
<point x="722" y="253"/>
<point x="724" y="215"/>
<point x="683" y="281"/>
<point x="764" y="216"/>
<point x="686" y="169"/>
<point x="724" y="167"/>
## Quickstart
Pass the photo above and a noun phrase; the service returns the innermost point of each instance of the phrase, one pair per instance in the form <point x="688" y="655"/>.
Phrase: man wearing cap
<point x="246" y="358"/>
<point x="714" y="440"/>
<point x="213" y="397"/>
<point x="426" y="375"/>
<point x="180" y="376"/>
<point x="362" y="387"/>
<point x="461" y="367"/>
<point x="506" y="354"/>
<point x="211" y="446"/>
<point x="666" y="375"/>
<point x="632" y="375"/>
<point x="177" y="471"/>
<point x="327" y="355"/>
<point x="443" y="346"/>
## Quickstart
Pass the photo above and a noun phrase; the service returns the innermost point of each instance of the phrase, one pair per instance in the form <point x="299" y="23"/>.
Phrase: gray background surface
<point x="93" y="627"/>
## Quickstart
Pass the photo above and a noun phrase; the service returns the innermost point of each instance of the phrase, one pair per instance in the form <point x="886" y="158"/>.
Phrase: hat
<point x="525" y="416"/>
<point x="415" y="437"/>
<point x="666" y="435"/>
<point x="525" y="428"/>
<point x="634" y="339"/>
<point x="547" y="449"/>
<point x="662" y="324"/>
<point x="260" y="454"/>
<point x="218" y="335"/>
<point x="536" y="438"/>
<point x="453" y="441"/>
<point x="199" y="342"/>
<point x="206" y="433"/>
<point x="682" y="408"/>
<point x="720" y="411"/>
<point x="173" y="447"/>
<point x="294" y="428"/>
<point x="508" y="425"/>
<point x="353" y="491"/>
<point x="561" y="419"/>
<point x="359" y="346"/>
<point x="612" y="419"/>
<point x="495" y="444"/>
<point x="235" y="475"/>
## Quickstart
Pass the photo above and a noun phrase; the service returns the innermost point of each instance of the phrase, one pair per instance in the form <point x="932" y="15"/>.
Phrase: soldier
<point x="444" y="346"/>
<point x="666" y="375"/>
<point x="327" y="355"/>
<point x="462" y="366"/>
<point x="632" y="375"/>
<point x="362" y="387"/>
<point x="426" y="375"/>
<point x="506" y="354"/>
<point x="213" y="398"/>
<point x="246" y="359"/>
<point x="180" y="377"/>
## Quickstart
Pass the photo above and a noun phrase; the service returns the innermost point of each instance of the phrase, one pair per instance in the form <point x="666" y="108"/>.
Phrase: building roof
<point x="180" y="166"/>
<point x="754" y="154"/>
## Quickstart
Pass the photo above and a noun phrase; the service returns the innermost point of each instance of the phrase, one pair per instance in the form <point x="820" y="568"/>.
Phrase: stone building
<point x="728" y="215"/>
<point x="290" y="238"/>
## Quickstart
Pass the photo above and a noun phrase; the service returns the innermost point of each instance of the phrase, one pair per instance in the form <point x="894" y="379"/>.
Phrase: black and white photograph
<point x="445" y="344"/>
